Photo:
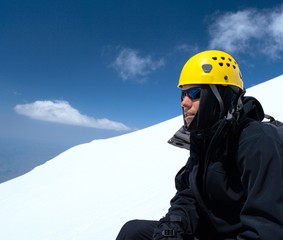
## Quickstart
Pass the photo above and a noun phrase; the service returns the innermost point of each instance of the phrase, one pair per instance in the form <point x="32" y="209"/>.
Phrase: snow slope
<point x="89" y="191"/>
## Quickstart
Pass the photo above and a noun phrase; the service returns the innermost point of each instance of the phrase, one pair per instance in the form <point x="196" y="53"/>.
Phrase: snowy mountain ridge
<point x="91" y="190"/>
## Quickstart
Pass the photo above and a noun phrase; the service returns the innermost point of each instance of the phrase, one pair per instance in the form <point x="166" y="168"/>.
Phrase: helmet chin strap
<point x="218" y="97"/>
<point x="233" y="113"/>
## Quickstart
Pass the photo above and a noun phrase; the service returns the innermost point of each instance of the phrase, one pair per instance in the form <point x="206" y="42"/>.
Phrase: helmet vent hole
<point x="206" y="68"/>
<point x="223" y="58"/>
<point x="234" y="66"/>
<point x="214" y="58"/>
<point x="230" y="59"/>
<point x="221" y="64"/>
<point x="228" y="64"/>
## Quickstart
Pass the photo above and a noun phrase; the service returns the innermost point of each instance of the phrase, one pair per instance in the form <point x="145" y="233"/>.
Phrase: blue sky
<point x="72" y="71"/>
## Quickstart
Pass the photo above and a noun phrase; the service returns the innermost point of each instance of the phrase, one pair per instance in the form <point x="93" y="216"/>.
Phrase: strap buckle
<point x="168" y="233"/>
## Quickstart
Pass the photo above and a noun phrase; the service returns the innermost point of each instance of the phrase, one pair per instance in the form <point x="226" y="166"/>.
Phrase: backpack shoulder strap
<point x="273" y="121"/>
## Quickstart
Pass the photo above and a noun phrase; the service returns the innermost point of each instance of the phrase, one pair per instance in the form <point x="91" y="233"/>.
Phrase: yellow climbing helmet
<point x="211" y="67"/>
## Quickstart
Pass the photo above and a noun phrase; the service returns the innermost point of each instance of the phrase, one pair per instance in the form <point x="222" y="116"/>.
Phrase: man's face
<point x="190" y="101"/>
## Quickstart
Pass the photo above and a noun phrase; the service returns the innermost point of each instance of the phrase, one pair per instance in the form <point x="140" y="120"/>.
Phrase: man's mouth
<point x="189" y="114"/>
<point x="189" y="117"/>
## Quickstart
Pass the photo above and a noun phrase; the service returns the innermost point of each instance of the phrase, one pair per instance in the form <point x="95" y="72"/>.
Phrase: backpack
<point x="271" y="120"/>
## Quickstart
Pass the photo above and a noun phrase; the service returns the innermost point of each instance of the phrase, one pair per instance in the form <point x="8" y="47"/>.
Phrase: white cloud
<point x="131" y="66"/>
<point x="63" y="112"/>
<point x="249" y="30"/>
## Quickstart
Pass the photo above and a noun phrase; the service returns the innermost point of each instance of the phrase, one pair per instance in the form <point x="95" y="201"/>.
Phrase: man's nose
<point x="186" y="102"/>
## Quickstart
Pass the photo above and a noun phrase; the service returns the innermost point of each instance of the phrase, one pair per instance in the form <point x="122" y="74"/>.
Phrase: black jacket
<point x="232" y="184"/>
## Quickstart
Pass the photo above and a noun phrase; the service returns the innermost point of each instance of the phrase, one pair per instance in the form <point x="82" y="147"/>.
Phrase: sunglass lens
<point x="192" y="93"/>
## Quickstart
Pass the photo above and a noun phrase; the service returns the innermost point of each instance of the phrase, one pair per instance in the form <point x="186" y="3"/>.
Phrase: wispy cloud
<point x="186" y="48"/>
<point x="132" y="66"/>
<point x="249" y="30"/>
<point x="63" y="112"/>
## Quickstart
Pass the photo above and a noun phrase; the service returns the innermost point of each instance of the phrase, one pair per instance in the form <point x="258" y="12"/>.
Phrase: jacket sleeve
<point x="260" y="156"/>
<point x="183" y="204"/>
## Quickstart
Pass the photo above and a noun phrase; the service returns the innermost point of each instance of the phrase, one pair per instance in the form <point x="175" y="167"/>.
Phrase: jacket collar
<point x="181" y="139"/>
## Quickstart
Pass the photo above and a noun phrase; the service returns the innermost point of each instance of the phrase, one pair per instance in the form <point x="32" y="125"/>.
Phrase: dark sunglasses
<point x="192" y="93"/>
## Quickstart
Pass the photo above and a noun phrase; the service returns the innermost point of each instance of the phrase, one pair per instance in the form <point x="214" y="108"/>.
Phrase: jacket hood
<point x="251" y="108"/>
<point x="247" y="108"/>
<point x="215" y="102"/>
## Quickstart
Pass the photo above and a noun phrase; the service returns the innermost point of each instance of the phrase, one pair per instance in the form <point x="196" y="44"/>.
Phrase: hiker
<point x="232" y="184"/>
